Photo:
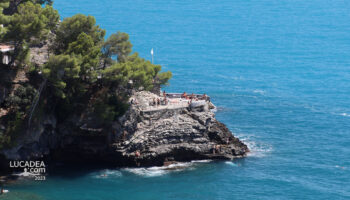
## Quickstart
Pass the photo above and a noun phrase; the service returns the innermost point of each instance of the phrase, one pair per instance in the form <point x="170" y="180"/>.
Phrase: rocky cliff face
<point x="151" y="135"/>
<point x="144" y="136"/>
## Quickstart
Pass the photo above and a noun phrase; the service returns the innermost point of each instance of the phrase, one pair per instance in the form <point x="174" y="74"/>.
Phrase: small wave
<point x="257" y="91"/>
<point x="25" y="174"/>
<point x="257" y="149"/>
<point x="160" y="171"/>
<point x="340" y="167"/>
<point x="231" y="163"/>
<point x="146" y="172"/>
<point x="345" y="114"/>
<point x="107" y="174"/>
<point x="222" y="109"/>
<point x="201" y="161"/>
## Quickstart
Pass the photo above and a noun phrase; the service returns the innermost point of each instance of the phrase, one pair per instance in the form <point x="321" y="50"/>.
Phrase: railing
<point x="175" y="103"/>
<point x="170" y="105"/>
<point x="179" y="95"/>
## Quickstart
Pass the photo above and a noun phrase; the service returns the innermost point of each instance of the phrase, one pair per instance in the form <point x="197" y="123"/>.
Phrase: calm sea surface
<point x="279" y="72"/>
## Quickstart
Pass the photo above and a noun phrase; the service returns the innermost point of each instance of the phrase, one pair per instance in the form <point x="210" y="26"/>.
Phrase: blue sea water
<point x="279" y="72"/>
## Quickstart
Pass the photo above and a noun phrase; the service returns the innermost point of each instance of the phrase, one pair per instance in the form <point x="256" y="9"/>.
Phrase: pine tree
<point x="117" y="44"/>
<point x="31" y="24"/>
<point x="4" y="19"/>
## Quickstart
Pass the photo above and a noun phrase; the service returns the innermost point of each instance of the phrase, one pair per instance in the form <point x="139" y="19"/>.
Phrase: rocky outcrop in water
<point x="144" y="136"/>
<point x="152" y="135"/>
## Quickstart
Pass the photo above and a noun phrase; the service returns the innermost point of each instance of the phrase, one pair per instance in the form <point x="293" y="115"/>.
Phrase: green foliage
<point x="29" y="25"/>
<point x="79" y="37"/>
<point x="107" y="110"/>
<point x="75" y="80"/>
<point x="62" y="72"/>
<point x="4" y="19"/>
<point x="15" y="125"/>
<point x="89" y="55"/>
<point x="109" y="106"/>
<point x="164" y="77"/>
<point x="18" y="105"/>
<point x="71" y="28"/>
<point x="32" y="21"/>
<point x="14" y="4"/>
<point x="117" y="44"/>
<point x="21" y="100"/>
<point x="136" y="70"/>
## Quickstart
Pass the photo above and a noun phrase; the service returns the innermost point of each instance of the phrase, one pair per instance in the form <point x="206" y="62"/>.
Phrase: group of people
<point x="159" y="101"/>
<point x="164" y="100"/>
<point x="194" y="97"/>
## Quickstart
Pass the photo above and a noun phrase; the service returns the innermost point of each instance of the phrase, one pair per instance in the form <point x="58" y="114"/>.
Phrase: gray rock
<point x="144" y="136"/>
<point x="181" y="133"/>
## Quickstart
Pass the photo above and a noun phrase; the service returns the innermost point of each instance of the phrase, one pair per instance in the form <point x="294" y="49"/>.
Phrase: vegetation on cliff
<point x="83" y="71"/>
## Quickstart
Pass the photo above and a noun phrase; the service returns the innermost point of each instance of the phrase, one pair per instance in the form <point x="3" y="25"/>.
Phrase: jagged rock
<point x="182" y="133"/>
<point x="144" y="136"/>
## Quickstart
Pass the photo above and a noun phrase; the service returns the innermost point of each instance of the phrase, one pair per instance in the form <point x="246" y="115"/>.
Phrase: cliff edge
<point x="150" y="133"/>
<point x="181" y="130"/>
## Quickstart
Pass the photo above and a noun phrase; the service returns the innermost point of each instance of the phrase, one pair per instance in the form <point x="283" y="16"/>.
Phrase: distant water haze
<point x="279" y="73"/>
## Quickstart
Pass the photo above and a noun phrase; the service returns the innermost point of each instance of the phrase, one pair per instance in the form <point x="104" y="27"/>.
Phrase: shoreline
<point x="102" y="170"/>
<point x="142" y="137"/>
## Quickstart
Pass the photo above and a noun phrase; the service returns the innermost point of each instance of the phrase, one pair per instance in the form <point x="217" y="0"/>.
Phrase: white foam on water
<point x="184" y="165"/>
<point x="257" y="91"/>
<point x="146" y="172"/>
<point x="231" y="163"/>
<point x="160" y="171"/>
<point x="201" y="161"/>
<point x="257" y="149"/>
<point x="340" y="167"/>
<point x="345" y="114"/>
<point x="25" y="174"/>
<point x="107" y="173"/>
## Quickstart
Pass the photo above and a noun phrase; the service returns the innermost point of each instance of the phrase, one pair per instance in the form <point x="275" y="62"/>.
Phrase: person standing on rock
<point x="137" y="155"/>
<point x="192" y="96"/>
<point x="124" y="135"/>
<point x="204" y="97"/>
<point x="165" y="100"/>
<point x="217" y="148"/>
<point x="184" y="95"/>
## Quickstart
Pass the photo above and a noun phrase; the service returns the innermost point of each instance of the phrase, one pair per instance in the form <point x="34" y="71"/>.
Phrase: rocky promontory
<point x="148" y="134"/>
<point x="70" y="96"/>
<point x="180" y="131"/>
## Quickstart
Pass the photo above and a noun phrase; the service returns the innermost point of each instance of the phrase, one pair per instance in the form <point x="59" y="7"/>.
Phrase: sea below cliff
<point x="278" y="72"/>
